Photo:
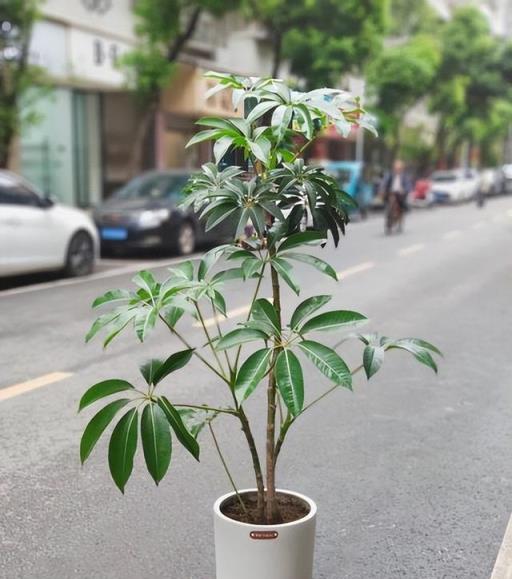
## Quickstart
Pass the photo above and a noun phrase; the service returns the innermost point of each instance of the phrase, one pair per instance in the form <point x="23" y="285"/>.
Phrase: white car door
<point x="30" y="239"/>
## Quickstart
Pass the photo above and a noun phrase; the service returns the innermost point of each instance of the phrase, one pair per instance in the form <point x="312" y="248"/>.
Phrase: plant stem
<point x="272" y="512"/>
<point x="207" y="334"/>
<point x="207" y="408"/>
<point x="302" y="149"/>
<point x="219" y="332"/>
<point x="196" y="353"/>
<point x="290" y="420"/>
<point x="260" y="484"/>
<point x="228" y="473"/>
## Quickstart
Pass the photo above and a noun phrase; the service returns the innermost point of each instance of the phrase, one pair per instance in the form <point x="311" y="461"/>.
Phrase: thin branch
<point x="208" y="409"/>
<point x="219" y="331"/>
<point x="228" y="473"/>
<point x="208" y="337"/>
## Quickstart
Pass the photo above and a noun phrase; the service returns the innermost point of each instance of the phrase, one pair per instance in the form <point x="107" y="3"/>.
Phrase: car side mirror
<point x="47" y="202"/>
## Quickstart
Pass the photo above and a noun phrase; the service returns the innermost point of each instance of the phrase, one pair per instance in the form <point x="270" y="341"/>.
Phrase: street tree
<point x="471" y="76"/>
<point x="399" y="78"/>
<point x="164" y="27"/>
<point x="18" y="78"/>
<point x="320" y="49"/>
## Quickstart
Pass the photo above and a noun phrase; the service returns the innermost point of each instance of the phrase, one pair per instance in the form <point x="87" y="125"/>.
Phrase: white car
<point x="455" y="185"/>
<point x="37" y="234"/>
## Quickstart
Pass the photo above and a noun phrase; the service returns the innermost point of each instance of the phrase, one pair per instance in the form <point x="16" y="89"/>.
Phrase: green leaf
<point x="182" y="433"/>
<point x="145" y="322"/>
<point x="219" y="214"/>
<point x="317" y="263"/>
<point x="228" y="274"/>
<point x="283" y="268"/>
<point x="238" y="337"/>
<point x="333" y="321"/>
<point x="221" y="148"/>
<point x="116" y="295"/>
<point x="306" y="308"/>
<point x="263" y="310"/>
<point x="219" y="302"/>
<point x="103" y="389"/>
<point x="122" y="447"/>
<point x="203" y="136"/>
<point x="172" y="315"/>
<point x="145" y="280"/>
<point x="260" y="149"/>
<point x="290" y="381"/>
<point x="421" y="353"/>
<point x="174" y="362"/>
<point x="373" y="356"/>
<point x="184" y="270"/>
<point x="251" y="373"/>
<point x="101" y="322"/>
<point x="328" y="362"/>
<point x="149" y="369"/>
<point x="260" y="109"/>
<point x="97" y="425"/>
<point x="156" y="441"/>
<point x="302" y="238"/>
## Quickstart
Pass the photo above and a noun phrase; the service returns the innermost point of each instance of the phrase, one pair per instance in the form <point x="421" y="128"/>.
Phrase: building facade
<point x="83" y="146"/>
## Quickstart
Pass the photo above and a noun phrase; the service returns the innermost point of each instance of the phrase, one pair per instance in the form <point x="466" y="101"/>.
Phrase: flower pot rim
<point x="310" y="515"/>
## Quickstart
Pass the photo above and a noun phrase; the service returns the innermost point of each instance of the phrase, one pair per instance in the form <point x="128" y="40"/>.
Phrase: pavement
<point x="412" y="472"/>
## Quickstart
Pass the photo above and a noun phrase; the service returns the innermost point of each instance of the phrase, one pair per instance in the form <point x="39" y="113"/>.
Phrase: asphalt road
<point x="412" y="473"/>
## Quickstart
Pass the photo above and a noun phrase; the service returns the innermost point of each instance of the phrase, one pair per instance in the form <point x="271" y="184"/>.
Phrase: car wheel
<point x="80" y="256"/>
<point x="186" y="239"/>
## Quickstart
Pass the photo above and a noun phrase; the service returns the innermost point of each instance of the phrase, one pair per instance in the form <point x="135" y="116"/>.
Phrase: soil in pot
<point x="291" y="508"/>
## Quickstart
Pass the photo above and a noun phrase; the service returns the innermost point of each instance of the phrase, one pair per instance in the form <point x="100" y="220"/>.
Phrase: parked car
<point x="38" y="234"/>
<point x="507" y="178"/>
<point x="455" y="185"/>
<point x="144" y="215"/>
<point x="491" y="182"/>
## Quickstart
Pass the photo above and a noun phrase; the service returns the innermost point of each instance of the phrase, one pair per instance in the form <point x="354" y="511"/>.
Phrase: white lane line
<point x="355" y="269"/>
<point x="411" y="249"/>
<point x="100" y="275"/>
<point x="208" y="322"/>
<point x="22" y="387"/>
<point x="503" y="566"/>
<point x="452" y="234"/>
<point x="479" y="224"/>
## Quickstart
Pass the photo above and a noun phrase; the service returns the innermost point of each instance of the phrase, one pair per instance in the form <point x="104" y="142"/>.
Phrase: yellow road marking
<point x="452" y="234"/>
<point x="22" y="387"/>
<point x="411" y="249"/>
<point x="355" y="269"/>
<point x="503" y="566"/>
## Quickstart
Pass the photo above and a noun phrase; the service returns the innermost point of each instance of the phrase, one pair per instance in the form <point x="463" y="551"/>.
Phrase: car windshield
<point x="154" y="186"/>
<point x="445" y="176"/>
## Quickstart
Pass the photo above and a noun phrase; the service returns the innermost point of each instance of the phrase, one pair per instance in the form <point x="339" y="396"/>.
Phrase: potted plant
<point x="260" y="532"/>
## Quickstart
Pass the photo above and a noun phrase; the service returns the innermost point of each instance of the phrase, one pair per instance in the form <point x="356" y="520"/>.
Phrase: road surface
<point x="412" y="473"/>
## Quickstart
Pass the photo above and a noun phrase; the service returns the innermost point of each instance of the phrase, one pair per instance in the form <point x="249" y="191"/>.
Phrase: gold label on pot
<point x="264" y="535"/>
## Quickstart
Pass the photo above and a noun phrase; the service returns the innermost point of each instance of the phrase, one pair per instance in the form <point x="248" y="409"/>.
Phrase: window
<point x="15" y="192"/>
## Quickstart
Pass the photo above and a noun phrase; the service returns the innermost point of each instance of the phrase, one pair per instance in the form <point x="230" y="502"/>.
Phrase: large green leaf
<point x="303" y="238"/>
<point x="251" y="373"/>
<point x="102" y="389"/>
<point x="306" y="308"/>
<point x="263" y="310"/>
<point x="174" y="362"/>
<point x="146" y="281"/>
<point x="122" y="447"/>
<point x="284" y="269"/>
<point x="238" y="337"/>
<point x="319" y="264"/>
<point x="373" y="356"/>
<point x="149" y="369"/>
<point x="97" y="425"/>
<point x="290" y="381"/>
<point x="420" y="352"/>
<point x="328" y="362"/>
<point x="156" y="441"/>
<point x="333" y="321"/>
<point x="112" y="296"/>
<point x="182" y="433"/>
<point x="145" y="322"/>
<point x="260" y="109"/>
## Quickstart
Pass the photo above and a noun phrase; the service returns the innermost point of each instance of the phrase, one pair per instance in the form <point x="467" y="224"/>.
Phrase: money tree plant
<point x="266" y="197"/>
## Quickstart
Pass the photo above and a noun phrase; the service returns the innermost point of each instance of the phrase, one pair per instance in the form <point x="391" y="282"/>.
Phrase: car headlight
<point x="153" y="218"/>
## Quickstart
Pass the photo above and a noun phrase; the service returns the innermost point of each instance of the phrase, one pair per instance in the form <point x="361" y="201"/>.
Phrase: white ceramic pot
<point x="246" y="551"/>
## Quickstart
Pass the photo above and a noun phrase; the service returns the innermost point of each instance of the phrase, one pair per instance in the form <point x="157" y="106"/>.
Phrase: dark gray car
<point x="144" y="214"/>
